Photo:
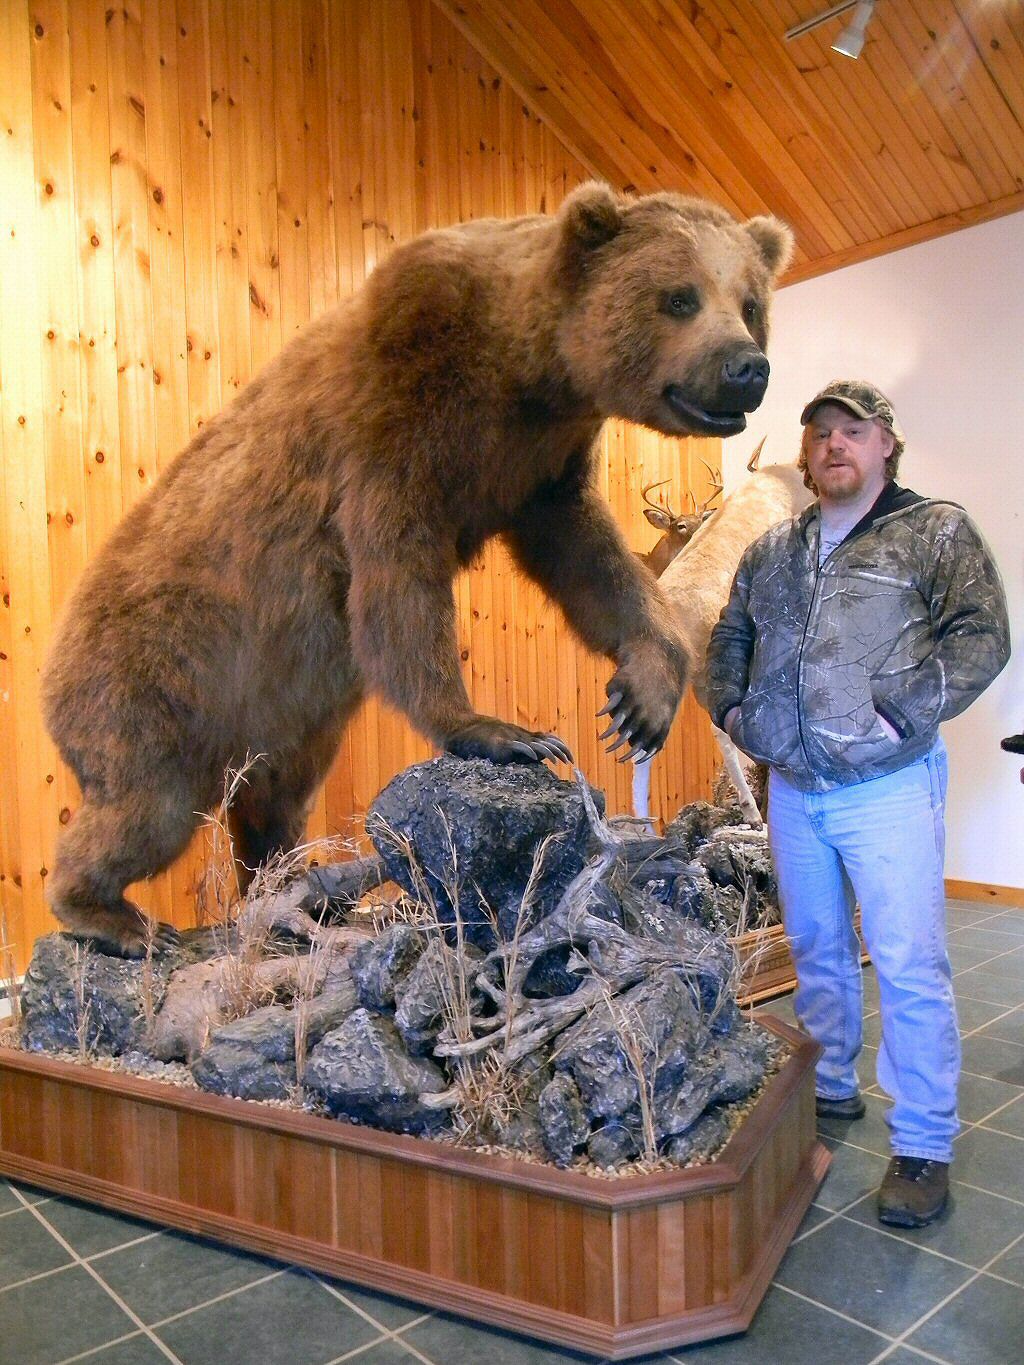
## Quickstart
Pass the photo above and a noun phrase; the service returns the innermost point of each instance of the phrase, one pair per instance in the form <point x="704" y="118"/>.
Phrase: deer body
<point x="698" y="578"/>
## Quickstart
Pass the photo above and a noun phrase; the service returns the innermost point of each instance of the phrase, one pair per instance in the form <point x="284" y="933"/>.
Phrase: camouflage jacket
<point x="905" y="619"/>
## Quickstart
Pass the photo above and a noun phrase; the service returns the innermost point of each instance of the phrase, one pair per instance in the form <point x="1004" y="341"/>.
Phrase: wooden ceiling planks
<point x="923" y="134"/>
<point x="721" y="123"/>
<point x="747" y="35"/>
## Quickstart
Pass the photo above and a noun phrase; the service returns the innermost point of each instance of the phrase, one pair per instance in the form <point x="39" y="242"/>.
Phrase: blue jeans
<point x="879" y="844"/>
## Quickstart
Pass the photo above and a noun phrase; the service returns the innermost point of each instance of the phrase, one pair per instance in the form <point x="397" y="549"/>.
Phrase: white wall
<point x="940" y="329"/>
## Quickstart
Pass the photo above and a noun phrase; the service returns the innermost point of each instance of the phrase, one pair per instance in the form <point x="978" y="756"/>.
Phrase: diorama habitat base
<point x="615" y="1267"/>
<point x="767" y="964"/>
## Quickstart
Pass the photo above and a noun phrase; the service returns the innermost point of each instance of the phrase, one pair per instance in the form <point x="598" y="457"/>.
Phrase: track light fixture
<point x="850" y="42"/>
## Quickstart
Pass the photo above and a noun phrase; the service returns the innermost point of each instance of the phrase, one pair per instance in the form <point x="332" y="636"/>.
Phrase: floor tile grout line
<point x="355" y="1307"/>
<point x="986" y="926"/>
<point x="909" y="1331"/>
<point x="357" y="1350"/>
<point x="21" y="1207"/>
<point x="976" y="1075"/>
<point x="984" y="915"/>
<point x="986" y="919"/>
<point x="969" y="1184"/>
<point x="1004" y="1279"/>
<point x="979" y="1077"/>
<point x="95" y="1350"/>
<point x="915" y="1350"/>
<point x="986" y="1128"/>
<point x="123" y="1246"/>
<point x="1006" y="1042"/>
<point x="836" y="1312"/>
<point x="217" y="1298"/>
<point x="129" y="1312"/>
<point x="980" y="1000"/>
<point x="1007" y="1104"/>
<point x="399" y="1336"/>
<point x="995" y="1038"/>
<point x="34" y="1279"/>
<point x="844" y="1214"/>
<point x="981" y="1123"/>
<point x="985" y="961"/>
<point x="823" y="1223"/>
<point x="1011" y="1009"/>
<point x="919" y="1246"/>
<point x="833" y="1214"/>
<point x="96" y="1256"/>
<point x="965" y="1126"/>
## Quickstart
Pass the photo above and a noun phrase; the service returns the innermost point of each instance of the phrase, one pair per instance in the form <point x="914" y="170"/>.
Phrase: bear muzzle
<point x="740" y="387"/>
<point x="744" y="379"/>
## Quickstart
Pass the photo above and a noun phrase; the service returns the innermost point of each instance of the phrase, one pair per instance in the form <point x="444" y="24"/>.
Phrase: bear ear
<point x="591" y="215"/>
<point x="774" y="241"/>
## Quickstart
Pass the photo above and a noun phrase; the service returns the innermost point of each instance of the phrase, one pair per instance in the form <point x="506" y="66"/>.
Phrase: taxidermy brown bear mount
<point x="300" y="551"/>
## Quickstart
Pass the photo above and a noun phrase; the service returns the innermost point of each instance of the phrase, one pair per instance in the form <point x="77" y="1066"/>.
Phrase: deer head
<point x="677" y="529"/>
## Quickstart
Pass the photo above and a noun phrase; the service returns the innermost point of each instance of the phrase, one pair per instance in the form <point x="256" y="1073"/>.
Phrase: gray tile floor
<point x="80" y="1284"/>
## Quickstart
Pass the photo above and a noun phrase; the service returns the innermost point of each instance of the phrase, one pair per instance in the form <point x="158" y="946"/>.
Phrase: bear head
<point x="663" y="307"/>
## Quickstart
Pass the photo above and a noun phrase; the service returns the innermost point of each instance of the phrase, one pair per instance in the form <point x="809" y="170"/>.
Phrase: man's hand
<point x="888" y="730"/>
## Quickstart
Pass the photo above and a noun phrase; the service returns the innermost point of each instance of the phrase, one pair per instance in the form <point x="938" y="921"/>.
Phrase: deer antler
<point x="752" y="462"/>
<point x="657" y="484"/>
<point x="716" y="486"/>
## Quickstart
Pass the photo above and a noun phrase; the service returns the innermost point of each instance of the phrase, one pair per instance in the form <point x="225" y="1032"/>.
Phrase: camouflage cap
<point x="862" y="399"/>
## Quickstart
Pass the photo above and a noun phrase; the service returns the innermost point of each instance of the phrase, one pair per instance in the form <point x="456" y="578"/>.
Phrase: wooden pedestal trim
<point x="617" y="1268"/>
<point x="771" y="971"/>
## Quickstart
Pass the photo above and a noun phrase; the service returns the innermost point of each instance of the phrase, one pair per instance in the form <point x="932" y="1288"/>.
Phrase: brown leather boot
<point x="913" y="1193"/>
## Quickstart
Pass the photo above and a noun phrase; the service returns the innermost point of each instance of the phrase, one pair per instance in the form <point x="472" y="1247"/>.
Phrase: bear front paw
<point x="502" y="742"/>
<point x="643" y="696"/>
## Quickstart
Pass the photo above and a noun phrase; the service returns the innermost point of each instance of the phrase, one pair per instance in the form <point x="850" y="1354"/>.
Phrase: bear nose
<point x="745" y="377"/>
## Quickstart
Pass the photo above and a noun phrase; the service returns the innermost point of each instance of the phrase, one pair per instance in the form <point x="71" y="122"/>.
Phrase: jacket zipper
<point x="803" y="635"/>
<point x="800" y="658"/>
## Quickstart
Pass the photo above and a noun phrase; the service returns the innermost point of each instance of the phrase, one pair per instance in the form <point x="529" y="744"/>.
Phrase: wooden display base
<point x="614" y="1267"/>
<point x="768" y="963"/>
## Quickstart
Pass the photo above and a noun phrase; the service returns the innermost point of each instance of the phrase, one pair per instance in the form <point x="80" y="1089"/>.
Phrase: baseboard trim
<point x="983" y="891"/>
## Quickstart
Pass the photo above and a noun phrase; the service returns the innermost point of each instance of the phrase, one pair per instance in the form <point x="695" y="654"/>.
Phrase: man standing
<point x="851" y="632"/>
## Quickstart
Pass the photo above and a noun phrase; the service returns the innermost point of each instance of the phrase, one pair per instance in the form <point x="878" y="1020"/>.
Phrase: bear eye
<point x="751" y="312"/>
<point x="682" y="303"/>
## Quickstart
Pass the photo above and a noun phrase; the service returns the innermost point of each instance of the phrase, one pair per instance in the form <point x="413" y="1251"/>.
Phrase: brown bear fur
<point x="300" y="551"/>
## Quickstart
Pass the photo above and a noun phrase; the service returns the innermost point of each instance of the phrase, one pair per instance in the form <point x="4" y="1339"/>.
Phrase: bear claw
<point x="117" y="934"/>
<point x="502" y="742"/>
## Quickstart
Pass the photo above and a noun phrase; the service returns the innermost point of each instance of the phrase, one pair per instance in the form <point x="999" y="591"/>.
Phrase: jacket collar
<point x="892" y="499"/>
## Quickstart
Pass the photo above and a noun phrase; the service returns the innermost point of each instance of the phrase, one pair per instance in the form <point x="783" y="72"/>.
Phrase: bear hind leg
<point x="270" y="813"/>
<point x="259" y="832"/>
<point x="107" y="846"/>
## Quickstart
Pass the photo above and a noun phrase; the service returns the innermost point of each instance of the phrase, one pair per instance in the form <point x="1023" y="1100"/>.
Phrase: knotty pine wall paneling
<point x="183" y="185"/>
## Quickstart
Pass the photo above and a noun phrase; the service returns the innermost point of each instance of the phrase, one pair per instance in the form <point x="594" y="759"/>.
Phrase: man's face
<point x="846" y="454"/>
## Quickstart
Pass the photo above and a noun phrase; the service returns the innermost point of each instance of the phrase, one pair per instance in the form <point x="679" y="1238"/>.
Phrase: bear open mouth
<point x="699" y="420"/>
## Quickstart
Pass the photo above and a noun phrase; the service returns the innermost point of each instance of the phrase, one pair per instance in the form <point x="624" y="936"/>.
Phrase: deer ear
<point x="658" y="518"/>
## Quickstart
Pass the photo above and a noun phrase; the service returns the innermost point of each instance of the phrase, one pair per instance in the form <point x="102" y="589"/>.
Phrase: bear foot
<point x="121" y="932"/>
<point x="502" y="742"/>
